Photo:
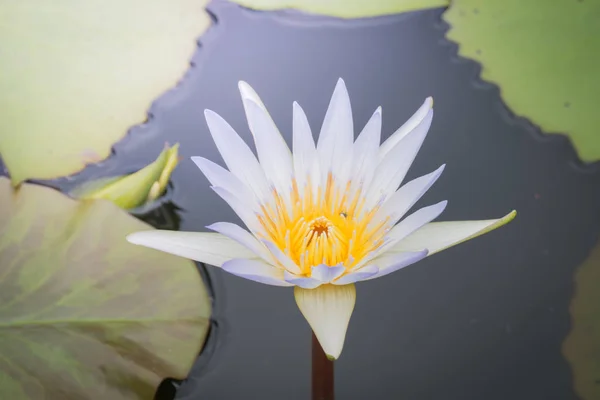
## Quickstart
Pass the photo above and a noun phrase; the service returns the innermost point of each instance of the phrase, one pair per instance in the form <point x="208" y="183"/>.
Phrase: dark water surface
<point x="484" y="320"/>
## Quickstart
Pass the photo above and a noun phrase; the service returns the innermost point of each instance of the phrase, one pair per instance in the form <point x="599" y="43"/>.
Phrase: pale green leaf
<point x="76" y="75"/>
<point x="544" y="56"/>
<point x="345" y="8"/>
<point x="83" y="313"/>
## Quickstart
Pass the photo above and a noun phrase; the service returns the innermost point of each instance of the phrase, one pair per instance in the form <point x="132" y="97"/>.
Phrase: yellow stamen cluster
<point x="328" y="227"/>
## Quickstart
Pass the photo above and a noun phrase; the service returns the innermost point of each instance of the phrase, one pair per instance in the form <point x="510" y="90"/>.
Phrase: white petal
<point x="328" y="309"/>
<point x="206" y="247"/>
<point x="365" y="149"/>
<point x="287" y="262"/>
<point x="337" y="136"/>
<point x="248" y="92"/>
<point x="416" y="220"/>
<point x="302" y="281"/>
<point x="438" y="236"/>
<point x="320" y="274"/>
<point x="389" y="263"/>
<point x="393" y="167"/>
<point x="359" y="275"/>
<point x="325" y="273"/>
<point x="219" y="176"/>
<point x="256" y="270"/>
<point x="237" y="155"/>
<point x="274" y="154"/>
<point x="304" y="147"/>
<point x="315" y="175"/>
<point x="405" y="197"/>
<point x="243" y="210"/>
<point x="243" y="237"/>
<point x="407" y="226"/>
<point x="406" y="128"/>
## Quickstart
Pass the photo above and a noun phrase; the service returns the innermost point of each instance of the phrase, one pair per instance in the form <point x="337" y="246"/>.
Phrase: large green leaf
<point x="77" y="74"/>
<point x="345" y="8"/>
<point x="582" y="346"/>
<point x="544" y="56"/>
<point x="83" y="313"/>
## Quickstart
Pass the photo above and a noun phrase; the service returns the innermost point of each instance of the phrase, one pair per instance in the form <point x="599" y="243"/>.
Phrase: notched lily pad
<point x="136" y="189"/>
<point x="77" y="74"/>
<point x="543" y="55"/>
<point x="83" y="313"/>
<point x="345" y="8"/>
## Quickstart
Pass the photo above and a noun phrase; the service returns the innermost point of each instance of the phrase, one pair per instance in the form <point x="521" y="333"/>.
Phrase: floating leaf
<point x="83" y="313"/>
<point x="130" y="191"/>
<point x="582" y="346"/>
<point x="345" y="8"/>
<point x="77" y="74"/>
<point x="543" y="55"/>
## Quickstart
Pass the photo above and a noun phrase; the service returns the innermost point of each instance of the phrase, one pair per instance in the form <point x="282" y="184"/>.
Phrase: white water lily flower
<point x="324" y="217"/>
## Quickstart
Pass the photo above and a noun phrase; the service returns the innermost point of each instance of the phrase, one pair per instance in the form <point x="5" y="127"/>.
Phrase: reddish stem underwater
<point x="322" y="373"/>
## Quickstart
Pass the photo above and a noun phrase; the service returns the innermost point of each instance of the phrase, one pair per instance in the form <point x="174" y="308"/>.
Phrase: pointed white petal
<point x="393" y="167"/>
<point x="249" y="93"/>
<point x="370" y="136"/>
<point x="243" y="237"/>
<point x="438" y="236"/>
<point x="256" y="270"/>
<point x="243" y="210"/>
<point x="325" y="273"/>
<point x="257" y="121"/>
<point x="400" y="202"/>
<point x="237" y="155"/>
<point x="406" y="128"/>
<point x="287" y="262"/>
<point x="407" y="226"/>
<point x="315" y="175"/>
<point x="274" y="154"/>
<point x="365" y="150"/>
<point x="359" y="275"/>
<point x="389" y="263"/>
<point x="416" y="220"/>
<point x="328" y="309"/>
<point x="336" y="137"/>
<point x="219" y="176"/>
<point x="206" y="247"/>
<point x="302" y="281"/>
<point x="304" y="147"/>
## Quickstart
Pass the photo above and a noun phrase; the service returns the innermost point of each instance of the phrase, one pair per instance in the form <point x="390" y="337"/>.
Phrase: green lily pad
<point x="345" y="8"/>
<point x="83" y="313"/>
<point x="134" y="190"/>
<point x="582" y="345"/>
<point x="77" y="74"/>
<point x="543" y="55"/>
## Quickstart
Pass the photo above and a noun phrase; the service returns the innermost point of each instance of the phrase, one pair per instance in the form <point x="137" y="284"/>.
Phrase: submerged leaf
<point x="133" y="190"/>
<point x="582" y="345"/>
<point x="83" y="313"/>
<point x="76" y="75"/>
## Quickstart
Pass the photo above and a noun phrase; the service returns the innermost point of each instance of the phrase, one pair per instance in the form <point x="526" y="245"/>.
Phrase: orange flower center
<point x="328" y="227"/>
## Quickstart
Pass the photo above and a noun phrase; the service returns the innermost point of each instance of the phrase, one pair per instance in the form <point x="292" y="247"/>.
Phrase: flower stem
<point x="322" y="373"/>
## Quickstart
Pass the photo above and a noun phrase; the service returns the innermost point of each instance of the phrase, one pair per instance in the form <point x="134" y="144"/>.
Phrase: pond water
<point x="483" y="320"/>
